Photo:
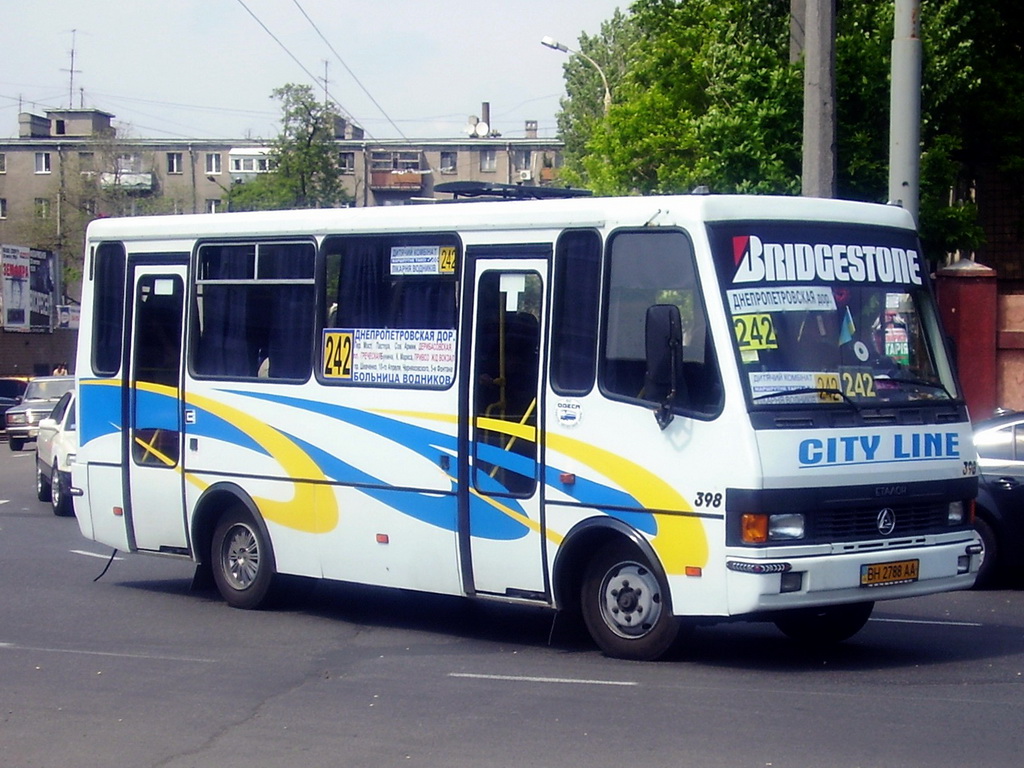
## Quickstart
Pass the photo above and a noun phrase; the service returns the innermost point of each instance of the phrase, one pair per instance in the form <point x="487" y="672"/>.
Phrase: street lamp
<point x="554" y="45"/>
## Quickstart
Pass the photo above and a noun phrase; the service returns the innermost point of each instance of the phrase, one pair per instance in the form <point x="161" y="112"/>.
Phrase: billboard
<point x="28" y="289"/>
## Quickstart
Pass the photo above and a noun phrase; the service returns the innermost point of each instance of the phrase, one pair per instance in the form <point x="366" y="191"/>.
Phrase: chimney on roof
<point x="531" y="129"/>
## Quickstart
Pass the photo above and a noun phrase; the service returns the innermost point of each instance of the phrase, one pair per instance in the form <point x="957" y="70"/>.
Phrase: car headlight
<point x="957" y="513"/>
<point x="16" y="418"/>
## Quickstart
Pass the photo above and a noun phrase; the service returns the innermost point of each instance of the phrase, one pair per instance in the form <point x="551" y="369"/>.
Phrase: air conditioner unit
<point x="526" y="175"/>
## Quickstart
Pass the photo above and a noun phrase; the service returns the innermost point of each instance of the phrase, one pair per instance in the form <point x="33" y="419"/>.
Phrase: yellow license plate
<point x="896" y="572"/>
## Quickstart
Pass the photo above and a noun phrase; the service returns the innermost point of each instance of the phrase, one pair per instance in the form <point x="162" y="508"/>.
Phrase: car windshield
<point x="819" y="323"/>
<point x="48" y="389"/>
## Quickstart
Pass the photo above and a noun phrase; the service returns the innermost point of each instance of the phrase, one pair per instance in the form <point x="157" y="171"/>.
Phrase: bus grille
<point x="855" y="523"/>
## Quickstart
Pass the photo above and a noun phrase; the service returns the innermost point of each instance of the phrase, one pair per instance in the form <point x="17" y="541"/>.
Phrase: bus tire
<point x="242" y="560"/>
<point x="826" y="625"/>
<point x="626" y="605"/>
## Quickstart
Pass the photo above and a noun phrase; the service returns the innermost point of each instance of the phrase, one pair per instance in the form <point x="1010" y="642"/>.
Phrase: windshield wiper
<point x="916" y="382"/>
<point x="810" y="391"/>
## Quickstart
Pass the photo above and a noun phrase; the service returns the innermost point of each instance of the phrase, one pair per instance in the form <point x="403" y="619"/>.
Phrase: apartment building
<point x="69" y="166"/>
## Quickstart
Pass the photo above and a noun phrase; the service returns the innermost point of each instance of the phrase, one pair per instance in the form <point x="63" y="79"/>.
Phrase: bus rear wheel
<point x="626" y="605"/>
<point x="826" y="625"/>
<point x="242" y="560"/>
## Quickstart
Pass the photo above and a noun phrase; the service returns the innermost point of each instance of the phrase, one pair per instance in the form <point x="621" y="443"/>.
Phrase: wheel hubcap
<point x="630" y="600"/>
<point x="241" y="557"/>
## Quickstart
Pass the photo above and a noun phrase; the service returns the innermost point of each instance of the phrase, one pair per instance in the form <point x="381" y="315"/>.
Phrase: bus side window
<point x="646" y="269"/>
<point x="255" y="310"/>
<point x="108" y="309"/>
<point x="577" y="291"/>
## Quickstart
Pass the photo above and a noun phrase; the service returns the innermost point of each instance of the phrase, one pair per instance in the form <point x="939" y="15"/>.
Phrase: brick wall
<point x="36" y="354"/>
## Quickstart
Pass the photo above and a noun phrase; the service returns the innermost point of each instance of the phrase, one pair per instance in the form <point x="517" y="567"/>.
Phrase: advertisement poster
<point x="28" y="286"/>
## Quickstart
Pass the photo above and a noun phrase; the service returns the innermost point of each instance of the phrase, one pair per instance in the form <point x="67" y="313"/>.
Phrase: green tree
<point x="706" y="94"/>
<point x="304" y="159"/>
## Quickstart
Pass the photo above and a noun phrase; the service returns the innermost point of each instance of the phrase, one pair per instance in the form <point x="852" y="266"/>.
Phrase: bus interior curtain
<point x="226" y="346"/>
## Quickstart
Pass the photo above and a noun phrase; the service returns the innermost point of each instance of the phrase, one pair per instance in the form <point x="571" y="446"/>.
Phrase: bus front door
<point x="155" y="506"/>
<point x="501" y="509"/>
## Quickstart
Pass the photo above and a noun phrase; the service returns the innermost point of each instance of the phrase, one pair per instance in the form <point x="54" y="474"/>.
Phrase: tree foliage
<point x="704" y="93"/>
<point x="304" y="159"/>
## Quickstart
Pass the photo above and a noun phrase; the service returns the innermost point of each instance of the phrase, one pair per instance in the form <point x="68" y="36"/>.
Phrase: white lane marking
<point x="146" y="656"/>
<point x="92" y="554"/>
<point x="933" y="622"/>
<point x="525" y="679"/>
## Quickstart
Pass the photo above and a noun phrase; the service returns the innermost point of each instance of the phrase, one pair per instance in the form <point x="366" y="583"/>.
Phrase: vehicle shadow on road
<point x="884" y="644"/>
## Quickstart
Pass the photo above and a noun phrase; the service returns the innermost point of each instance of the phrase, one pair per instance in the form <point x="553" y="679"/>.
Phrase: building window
<point x="89" y="207"/>
<point x="128" y="163"/>
<point x="347" y="162"/>
<point x="42" y="162"/>
<point x="449" y="162"/>
<point x="213" y="205"/>
<point x="174" y="162"/>
<point x="42" y="207"/>
<point x="213" y="161"/>
<point x="3" y="163"/>
<point x="3" y="207"/>
<point x="395" y="161"/>
<point x="488" y="160"/>
<point x="522" y="160"/>
<point x="86" y="162"/>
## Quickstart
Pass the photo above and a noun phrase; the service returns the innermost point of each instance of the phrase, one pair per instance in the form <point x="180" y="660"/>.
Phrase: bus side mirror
<point x="664" y="355"/>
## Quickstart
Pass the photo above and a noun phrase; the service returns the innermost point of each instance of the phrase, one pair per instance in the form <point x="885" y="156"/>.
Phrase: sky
<point x="416" y="69"/>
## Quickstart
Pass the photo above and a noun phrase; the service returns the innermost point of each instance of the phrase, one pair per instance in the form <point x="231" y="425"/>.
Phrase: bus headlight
<point x="785" y="527"/>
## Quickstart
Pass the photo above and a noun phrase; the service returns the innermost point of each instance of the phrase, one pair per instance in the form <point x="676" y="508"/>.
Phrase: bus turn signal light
<point x="755" y="528"/>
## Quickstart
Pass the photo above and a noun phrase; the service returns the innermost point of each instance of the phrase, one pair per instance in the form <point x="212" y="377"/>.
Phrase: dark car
<point x="12" y="388"/>
<point x="41" y="394"/>
<point x="999" y="510"/>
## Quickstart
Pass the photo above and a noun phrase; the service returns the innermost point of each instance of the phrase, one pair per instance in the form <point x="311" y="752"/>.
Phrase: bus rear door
<point x="155" y="506"/>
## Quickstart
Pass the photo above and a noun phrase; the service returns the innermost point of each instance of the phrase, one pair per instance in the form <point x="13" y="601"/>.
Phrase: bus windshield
<point x="834" y="315"/>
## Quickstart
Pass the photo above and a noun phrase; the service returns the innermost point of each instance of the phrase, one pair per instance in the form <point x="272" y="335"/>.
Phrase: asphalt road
<point x="135" y="669"/>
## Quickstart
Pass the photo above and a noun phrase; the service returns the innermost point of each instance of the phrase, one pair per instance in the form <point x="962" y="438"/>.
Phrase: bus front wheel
<point x="242" y="560"/>
<point x="626" y="606"/>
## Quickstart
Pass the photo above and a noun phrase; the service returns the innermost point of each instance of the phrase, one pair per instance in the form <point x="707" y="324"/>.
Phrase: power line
<point x="347" y="69"/>
<point x="302" y="66"/>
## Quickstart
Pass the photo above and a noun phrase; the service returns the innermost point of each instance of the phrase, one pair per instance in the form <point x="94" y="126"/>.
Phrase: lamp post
<point x="554" y="45"/>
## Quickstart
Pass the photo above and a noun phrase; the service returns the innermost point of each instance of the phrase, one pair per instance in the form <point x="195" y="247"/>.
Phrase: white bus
<point x="647" y="411"/>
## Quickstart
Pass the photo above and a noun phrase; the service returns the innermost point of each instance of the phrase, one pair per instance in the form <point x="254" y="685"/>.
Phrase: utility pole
<point x="905" y="108"/>
<point x="819" y="141"/>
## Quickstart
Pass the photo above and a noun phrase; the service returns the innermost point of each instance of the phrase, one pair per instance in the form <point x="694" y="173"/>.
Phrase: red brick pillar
<point x="967" y="298"/>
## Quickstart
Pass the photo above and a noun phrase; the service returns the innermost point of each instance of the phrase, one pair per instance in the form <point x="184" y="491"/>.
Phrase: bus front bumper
<point x="784" y="577"/>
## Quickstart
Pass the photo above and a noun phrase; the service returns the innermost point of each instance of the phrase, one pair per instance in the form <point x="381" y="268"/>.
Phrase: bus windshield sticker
<point x="809" y="298"/>
<point x="420" y="260"/>
<point x="396" y="356"/>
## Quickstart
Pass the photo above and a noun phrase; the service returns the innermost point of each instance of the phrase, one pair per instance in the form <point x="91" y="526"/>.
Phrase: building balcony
<point x="129" y="182"/>
<point x="405" y="181"/>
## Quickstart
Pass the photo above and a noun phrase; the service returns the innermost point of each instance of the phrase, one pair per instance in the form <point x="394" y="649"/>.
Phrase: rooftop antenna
<point x="71" y="84"/>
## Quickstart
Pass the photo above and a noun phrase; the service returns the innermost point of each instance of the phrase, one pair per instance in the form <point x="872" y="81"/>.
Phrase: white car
<point x="55" y="450"/>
